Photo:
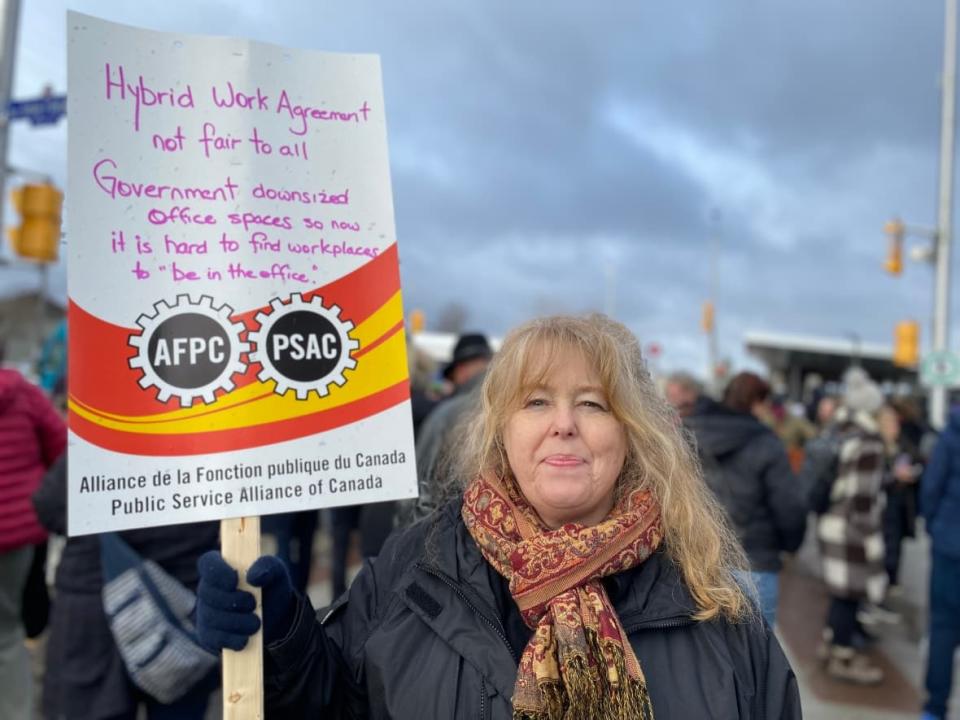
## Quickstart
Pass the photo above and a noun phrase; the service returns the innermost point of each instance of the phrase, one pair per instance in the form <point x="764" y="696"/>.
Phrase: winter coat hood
<point x="746" y="466"/>
<point x="721" y="431"/>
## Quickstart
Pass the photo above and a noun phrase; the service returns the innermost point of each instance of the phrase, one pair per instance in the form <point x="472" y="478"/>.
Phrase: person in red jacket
<point x="32" y="436"/>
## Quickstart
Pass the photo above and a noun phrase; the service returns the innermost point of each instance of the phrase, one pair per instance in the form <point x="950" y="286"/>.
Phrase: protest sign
<point x="236" y="337"/>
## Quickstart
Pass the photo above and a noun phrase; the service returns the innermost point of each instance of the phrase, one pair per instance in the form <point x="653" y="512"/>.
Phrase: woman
<point x="747" y="467"/>
<point x="850" y="532"/>
<point x="584" y="573"/>
<point x="32" y="436"/>
<point x="903" y="467"/>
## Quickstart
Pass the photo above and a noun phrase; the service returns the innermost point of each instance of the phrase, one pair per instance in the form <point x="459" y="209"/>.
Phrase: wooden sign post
<point x="243" y="671"/>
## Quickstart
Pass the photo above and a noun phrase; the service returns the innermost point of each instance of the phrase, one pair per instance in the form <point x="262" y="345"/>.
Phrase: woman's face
<point x="889" y="424"/>
<point x="565" y="446"/>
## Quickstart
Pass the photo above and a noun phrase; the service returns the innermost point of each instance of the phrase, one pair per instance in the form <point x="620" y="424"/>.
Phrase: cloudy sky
<point x="570" y="157"/>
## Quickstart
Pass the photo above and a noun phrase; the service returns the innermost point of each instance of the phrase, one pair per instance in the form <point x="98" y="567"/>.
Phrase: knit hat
<point x="861" y="394"/>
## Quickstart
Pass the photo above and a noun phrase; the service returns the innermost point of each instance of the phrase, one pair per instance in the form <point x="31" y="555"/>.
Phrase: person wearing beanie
<point x="850" y="532"/>
<point x="860" y="393"/>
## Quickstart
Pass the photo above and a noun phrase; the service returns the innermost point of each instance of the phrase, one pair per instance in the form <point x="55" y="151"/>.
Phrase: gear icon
<point x="303" y="346"/>
<point x="188" y="350"/>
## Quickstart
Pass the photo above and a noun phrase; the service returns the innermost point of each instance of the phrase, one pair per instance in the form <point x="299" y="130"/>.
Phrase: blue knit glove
<point x="225" y="615"/>
<point x="270" y="574"/>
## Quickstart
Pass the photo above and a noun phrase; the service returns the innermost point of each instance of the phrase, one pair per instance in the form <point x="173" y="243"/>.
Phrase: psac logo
<point x="191" y="349"/>
<point x="303" y="346"/>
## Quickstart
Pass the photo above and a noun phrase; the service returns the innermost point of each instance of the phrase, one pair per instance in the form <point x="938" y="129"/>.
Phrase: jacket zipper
<point x="659" y="625"/>
<point x="496" y="626"/>
<point x="483" y="699"/>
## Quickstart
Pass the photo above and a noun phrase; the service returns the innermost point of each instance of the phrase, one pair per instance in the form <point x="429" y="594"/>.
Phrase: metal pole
<point x="9" y="22"/>
<point x="941" y="310"/>
<point x="713" y="349"/>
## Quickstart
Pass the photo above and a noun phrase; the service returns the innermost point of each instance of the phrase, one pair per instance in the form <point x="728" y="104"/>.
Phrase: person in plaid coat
<point x="850" y="532"/>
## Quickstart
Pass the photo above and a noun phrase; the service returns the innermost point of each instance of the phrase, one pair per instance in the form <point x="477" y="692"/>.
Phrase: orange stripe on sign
<point x="380" y="340"/>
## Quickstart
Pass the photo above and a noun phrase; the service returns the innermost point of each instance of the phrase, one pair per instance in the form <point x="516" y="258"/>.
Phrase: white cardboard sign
<point x="236" y="324"/>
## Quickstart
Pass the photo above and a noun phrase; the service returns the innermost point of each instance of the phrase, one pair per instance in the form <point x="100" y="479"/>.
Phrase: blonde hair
<point x="659" y="458"/>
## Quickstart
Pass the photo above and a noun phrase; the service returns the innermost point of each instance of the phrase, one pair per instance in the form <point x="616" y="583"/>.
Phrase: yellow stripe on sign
<point x="377" y="370"/>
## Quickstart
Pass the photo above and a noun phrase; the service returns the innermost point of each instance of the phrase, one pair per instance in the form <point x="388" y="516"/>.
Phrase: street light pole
<point x="713" y="349"/>
<point x="9" y="21"/>
<point x="941" y="309"/>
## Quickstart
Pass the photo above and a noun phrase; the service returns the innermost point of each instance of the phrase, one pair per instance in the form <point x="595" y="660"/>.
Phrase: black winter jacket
<point x="762" y="497"/>
<point x="428" y="630"/>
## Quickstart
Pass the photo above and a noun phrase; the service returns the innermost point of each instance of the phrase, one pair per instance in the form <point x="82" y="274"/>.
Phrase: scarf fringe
<point x="586" y="694"/>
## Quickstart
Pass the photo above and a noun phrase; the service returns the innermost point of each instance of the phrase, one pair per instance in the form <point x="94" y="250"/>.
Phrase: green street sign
<point x="940" y="369"/>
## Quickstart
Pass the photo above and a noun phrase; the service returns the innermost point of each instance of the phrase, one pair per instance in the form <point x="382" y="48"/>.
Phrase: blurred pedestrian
<point x="850" y="531"/>
<point x="793" y="429"/>
<point x="683" y="392"/>
<point x="343" y="521"/>
<point x="52" y="363"/>
<point x="424" y="392"/>
<point x="826" y="409"/>
<point x="436" y="445"/>
<point x="294" y="533"/>
<point x="377" y="520"/>
<point x="746" y="466"/>
<point x="940" y="506"/>
<point x="32" y="437"/>
<point x="903" y="468"/>
<point x="85" y="677"/>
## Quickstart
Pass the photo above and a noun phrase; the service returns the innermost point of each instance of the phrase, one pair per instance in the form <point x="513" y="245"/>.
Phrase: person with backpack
<point x="746" y="466"/>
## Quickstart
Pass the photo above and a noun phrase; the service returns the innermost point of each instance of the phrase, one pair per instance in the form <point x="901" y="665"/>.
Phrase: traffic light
<point x="906" y="343"/>
<point x="38" y="237"/>
<point x="706" y="317"/>
<point x="895" y="230"/>
<point x="417" y="321"/>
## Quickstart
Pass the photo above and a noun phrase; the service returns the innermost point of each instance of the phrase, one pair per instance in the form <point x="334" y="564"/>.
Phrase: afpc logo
<point x="303" y="346"/>
<point x="188" y="350"/>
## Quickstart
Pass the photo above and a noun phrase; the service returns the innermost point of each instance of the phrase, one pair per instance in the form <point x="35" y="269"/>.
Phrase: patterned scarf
<point x="579" y="662"/>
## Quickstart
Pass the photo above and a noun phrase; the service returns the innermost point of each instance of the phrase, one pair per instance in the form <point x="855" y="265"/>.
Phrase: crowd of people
<point x="586" y="536"/>
<point x="868" y="468"/>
